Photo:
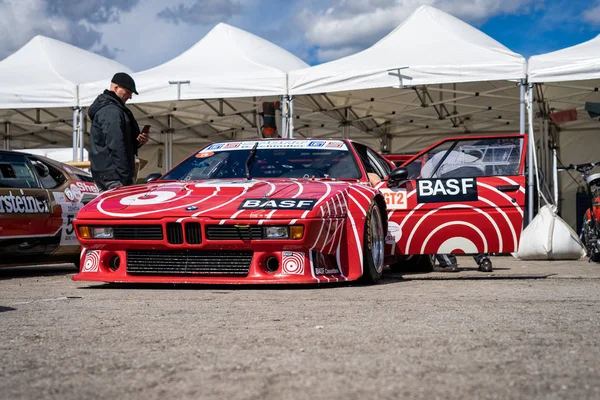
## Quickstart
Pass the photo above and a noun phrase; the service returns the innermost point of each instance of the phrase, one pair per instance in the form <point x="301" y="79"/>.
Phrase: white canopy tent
<point x="565" y="80"/>
<point x="226" y="63"/>
<point x="212" y="91"/>
<point x="429" y="47"/>
<point x="38" y="91"/>
<point x="433" y="76"/>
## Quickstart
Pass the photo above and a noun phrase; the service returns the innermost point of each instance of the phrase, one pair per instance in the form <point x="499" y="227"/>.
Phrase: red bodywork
<point x="398" y="159"/>
<point x="333" y="228"/>
<point x="596" y="210"/>
<point x="490" y="222"/>
<point x="168" y="228"/>
<point x="210" y="211"/>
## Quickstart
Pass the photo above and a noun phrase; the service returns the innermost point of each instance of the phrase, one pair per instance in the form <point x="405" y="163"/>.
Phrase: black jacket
<point x="113" y="140"/>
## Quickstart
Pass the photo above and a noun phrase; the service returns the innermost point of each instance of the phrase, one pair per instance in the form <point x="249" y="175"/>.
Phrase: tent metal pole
<point x="547" y="150"/>
<point x="555" y="175"/>
<point x="81" y="134"/>
<point x="291" y="117"/>
<point x="530" y="146"/>
<point x="169" y="145"/>
<point x="284" y="116"/>
<point x="256" y="118"/>
<point x="7" y="135"/>
<point x="346" y="127"/>
<point x="75" y="124"/>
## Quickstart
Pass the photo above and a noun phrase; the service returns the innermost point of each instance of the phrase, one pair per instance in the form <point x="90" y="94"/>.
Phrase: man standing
<point x="115" y="135"/>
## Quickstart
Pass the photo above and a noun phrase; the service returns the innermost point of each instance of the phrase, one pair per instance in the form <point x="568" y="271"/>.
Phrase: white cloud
<point x="21" y="20"/>
<point x="592" y="15"/>
<point x="356" y="23"/>
<point x="60" y="19"/>
<point x="132" y="32"/>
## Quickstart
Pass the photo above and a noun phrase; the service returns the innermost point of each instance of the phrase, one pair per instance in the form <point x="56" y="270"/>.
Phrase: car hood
<point x="223" y="199"/>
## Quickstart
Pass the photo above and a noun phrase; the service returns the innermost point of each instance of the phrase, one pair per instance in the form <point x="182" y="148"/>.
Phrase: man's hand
<point x="143" y="138"/>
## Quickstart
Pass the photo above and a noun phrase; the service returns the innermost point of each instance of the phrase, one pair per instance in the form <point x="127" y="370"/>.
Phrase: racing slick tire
<point x="77" y="262"/>
<point x="373" y="249"/>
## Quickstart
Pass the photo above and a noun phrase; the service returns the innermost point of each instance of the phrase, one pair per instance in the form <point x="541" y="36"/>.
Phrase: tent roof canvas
<point x="575" y="63"/>
<point x="432" y="46"/>
<point x="45" y="73"/>
<point x="228" y="62"/>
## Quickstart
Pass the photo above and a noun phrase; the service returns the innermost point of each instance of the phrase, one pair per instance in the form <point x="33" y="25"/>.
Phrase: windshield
<point x="274" y="159"/>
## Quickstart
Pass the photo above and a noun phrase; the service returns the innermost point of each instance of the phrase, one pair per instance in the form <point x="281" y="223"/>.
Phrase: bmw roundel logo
<point x="191" y="208"/>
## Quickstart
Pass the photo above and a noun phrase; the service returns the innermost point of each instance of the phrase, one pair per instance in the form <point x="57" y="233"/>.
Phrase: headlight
<point x="295" y="232"/>
<point x="100" y="232"/>
<point x="276" y="232"/>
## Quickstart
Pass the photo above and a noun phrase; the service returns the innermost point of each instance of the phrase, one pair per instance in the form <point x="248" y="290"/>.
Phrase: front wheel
<point x="373" y="247"/>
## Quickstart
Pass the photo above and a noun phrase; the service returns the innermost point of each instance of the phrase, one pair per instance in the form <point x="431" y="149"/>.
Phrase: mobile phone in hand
<point x="146" y="129"/>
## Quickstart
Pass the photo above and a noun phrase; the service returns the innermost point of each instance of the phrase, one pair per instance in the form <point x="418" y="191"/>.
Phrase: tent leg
<point x="530" y="144"/>
<point x="255" y="118"/>
<point x="75" y="125"/>
<point x="284" y="116"/>
<point x="169" y="145"/>
<point x="346" y="124"/>
<point x="7" y="135"/>
<point x="555" y="176"/>
<point x="81" y="134"/>
<point x="290" y="117"/>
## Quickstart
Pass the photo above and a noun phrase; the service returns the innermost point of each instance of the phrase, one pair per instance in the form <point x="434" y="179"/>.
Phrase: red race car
<point x="398" y="159"/>
<point x="279" y="211"/>
<point x="39" y="199"/>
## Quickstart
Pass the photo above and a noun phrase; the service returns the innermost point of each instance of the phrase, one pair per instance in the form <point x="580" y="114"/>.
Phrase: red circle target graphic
<point x="293" y="263"/>
<point x="92" y="261"/>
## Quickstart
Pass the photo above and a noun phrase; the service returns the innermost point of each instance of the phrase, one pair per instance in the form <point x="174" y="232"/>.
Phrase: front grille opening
<point x="174" y="233"/>
<point x="188" y="262"/>
<point x="138" y="232"/>
<point x="232" y="232"/>
<point x="192" y="233"/>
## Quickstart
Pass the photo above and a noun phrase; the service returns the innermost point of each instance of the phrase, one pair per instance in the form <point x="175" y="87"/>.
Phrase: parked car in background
<point x="39" y="199"/>
<point x="398" y="158"/>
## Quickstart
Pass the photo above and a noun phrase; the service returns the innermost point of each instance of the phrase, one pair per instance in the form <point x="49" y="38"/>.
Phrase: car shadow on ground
<point x="460" y="269"/>
<point x="36" y="271"/>
<point x="387" y="279"/>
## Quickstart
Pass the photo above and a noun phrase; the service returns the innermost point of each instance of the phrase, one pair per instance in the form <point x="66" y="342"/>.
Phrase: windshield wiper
<point x="250" y="160"/>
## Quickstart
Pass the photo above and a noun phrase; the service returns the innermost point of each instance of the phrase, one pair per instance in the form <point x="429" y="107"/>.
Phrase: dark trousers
<point x="450" y="259"/>
<point x="107" y="185"/>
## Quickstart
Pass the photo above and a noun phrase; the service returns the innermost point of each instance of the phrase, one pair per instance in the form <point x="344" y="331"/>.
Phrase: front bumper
<point x="313" y="259"/>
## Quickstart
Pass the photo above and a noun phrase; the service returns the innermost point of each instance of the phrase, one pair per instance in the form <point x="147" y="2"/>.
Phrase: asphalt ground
<point x="528" y="330"/>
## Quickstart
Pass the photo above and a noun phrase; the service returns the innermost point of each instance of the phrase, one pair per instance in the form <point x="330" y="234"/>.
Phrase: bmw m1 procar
<point x="39" y="199"/>
<point x="297" y="211"/>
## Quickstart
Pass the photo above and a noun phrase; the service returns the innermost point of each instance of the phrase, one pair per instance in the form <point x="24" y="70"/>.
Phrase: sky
<point x="142" y="34"/>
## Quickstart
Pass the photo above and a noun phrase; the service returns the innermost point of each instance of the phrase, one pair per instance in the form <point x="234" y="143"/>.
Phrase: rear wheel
<point x="373" y="248"/>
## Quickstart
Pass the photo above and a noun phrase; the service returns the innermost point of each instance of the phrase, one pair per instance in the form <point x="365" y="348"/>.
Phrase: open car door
<point x="461" y="196"/>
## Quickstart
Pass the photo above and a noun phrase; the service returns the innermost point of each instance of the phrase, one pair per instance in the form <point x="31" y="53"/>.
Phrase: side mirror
<point x="396" y="176"/>
<point x="41" y="169"/>
<point x="152" y="177"/>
